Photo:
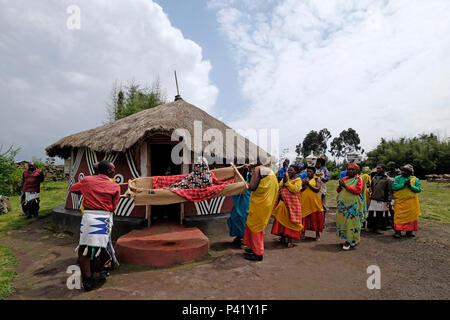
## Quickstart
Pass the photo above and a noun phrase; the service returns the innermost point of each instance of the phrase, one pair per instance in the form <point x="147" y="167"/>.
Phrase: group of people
<point x="388" y="198"/>
<point x="294" y="200"/>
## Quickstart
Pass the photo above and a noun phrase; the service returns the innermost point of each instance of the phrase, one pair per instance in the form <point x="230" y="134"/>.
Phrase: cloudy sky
<point x="381" y="67"/>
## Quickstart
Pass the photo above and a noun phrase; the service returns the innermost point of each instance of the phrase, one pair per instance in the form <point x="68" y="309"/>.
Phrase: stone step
<point x="162" y="245"/>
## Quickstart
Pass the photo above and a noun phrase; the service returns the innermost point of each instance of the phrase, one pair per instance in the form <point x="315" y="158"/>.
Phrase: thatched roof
<point x="121" y="135"/>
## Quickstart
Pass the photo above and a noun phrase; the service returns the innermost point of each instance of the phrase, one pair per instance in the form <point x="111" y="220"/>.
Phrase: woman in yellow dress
<point x="312" y="208"/>
<point x="264" y="187"/>
<point x="406" y="189"/>
<point x="288" y="211"/>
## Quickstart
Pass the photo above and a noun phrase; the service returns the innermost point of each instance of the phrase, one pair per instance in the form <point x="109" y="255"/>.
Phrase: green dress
<point x="351" y="210"/>
<point x="399" y="183"/>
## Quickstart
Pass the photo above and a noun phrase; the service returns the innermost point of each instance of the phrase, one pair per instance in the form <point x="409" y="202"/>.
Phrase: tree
<point x="10" y="175"/>
<point x="132" y="98"/>
<point x="345" y="142"/>
<point x="315" y="142"/>
<point x="425" y="153"/>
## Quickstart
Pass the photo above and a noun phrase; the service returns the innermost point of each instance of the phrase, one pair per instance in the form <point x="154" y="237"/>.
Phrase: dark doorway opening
<point x="161" y="165"/>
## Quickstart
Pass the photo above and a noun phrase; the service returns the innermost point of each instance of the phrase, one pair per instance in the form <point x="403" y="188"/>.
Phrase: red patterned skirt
<point x="314" y="221"/>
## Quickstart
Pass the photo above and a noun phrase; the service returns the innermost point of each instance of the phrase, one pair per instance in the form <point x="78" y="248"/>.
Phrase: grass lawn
<point x="7" y="274"/>
<point x="53" y="193"/>
<point x="434" y="199"/>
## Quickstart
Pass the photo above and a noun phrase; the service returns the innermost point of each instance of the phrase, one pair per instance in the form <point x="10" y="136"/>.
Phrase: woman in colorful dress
<point x="288" y="211"/>
<point x="350" y="207"/>
<point x="366" y="192"/>
<point x="264" y="187"/>
<point x="312" y="208"/>
<point x="406" y="189"/>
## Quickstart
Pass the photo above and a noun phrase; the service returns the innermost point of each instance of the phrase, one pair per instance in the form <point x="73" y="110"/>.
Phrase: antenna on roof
<point x="177" y="97"/>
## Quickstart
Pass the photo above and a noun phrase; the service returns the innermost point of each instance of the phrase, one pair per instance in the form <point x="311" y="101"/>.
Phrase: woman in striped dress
<point x="312" y="208"/>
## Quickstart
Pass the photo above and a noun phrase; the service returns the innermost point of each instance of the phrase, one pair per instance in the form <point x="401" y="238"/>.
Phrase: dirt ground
<point x="415" y="268"/>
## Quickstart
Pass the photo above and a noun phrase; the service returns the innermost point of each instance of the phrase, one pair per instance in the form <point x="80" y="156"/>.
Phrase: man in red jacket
<point x="101" y="197"/>
<point x="31" y="188"/>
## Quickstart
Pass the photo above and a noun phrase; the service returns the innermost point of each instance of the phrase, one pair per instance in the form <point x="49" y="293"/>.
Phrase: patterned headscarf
<point x="353" y="166"/>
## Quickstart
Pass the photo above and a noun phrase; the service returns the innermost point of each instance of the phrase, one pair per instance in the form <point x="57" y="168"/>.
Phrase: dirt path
<point x="410" y="268"/>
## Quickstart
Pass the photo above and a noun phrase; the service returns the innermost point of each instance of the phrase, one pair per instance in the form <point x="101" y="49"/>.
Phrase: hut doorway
<point x="161" y="165"/>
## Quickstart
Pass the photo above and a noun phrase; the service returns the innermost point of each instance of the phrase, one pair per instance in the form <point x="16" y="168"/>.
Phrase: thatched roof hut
<point x="121" y="135"/>
<point x="140" y="145"/>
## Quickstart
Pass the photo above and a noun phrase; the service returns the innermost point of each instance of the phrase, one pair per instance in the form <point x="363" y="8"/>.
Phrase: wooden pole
<point x="148" y="208"/>
<point x="176" y="81"/>
<point x="182" y="204"/>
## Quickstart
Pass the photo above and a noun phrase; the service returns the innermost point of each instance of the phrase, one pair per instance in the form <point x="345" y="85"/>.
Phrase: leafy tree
<point x="346" y="141"/>
<point x="132" y="98"/>
<point x="425" y="152"/>
<point x="314" y="141"/>
<point x="10" y="175"/>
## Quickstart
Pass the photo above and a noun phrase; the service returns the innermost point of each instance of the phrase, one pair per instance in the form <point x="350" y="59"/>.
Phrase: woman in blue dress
<point x="238" y="217"/>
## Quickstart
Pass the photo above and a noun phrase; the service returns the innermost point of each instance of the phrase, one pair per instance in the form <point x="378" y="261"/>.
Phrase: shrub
<point x="334" y="175"/>
<point x="10" y="175"/>
<point x="426" y="153"/>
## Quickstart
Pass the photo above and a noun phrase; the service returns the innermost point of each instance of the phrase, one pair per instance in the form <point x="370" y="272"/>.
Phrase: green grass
<point x="53" y="194"/>
<point x="332" y="193"/>
<point x="7" y="275"/>
<point x="434" y="199"/>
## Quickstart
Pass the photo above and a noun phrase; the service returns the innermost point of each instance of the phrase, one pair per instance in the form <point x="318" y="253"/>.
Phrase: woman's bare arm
<point x="254" y="181"/>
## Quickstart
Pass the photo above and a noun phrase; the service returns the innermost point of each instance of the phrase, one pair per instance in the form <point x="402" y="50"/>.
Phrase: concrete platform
<point x="208" y="224"/>
<point x="69" y="221"/>
<point x="162" y="245"/>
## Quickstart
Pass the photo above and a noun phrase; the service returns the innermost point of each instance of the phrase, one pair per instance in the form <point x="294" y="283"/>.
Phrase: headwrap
<point x="299" y="165"/>
<point x="408" y="167"/>
<point x="352" y="166"/>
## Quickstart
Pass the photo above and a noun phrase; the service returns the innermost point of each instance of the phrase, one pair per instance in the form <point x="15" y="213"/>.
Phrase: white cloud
<point x="380" y="67"/>
<point x="55" y="81"/>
